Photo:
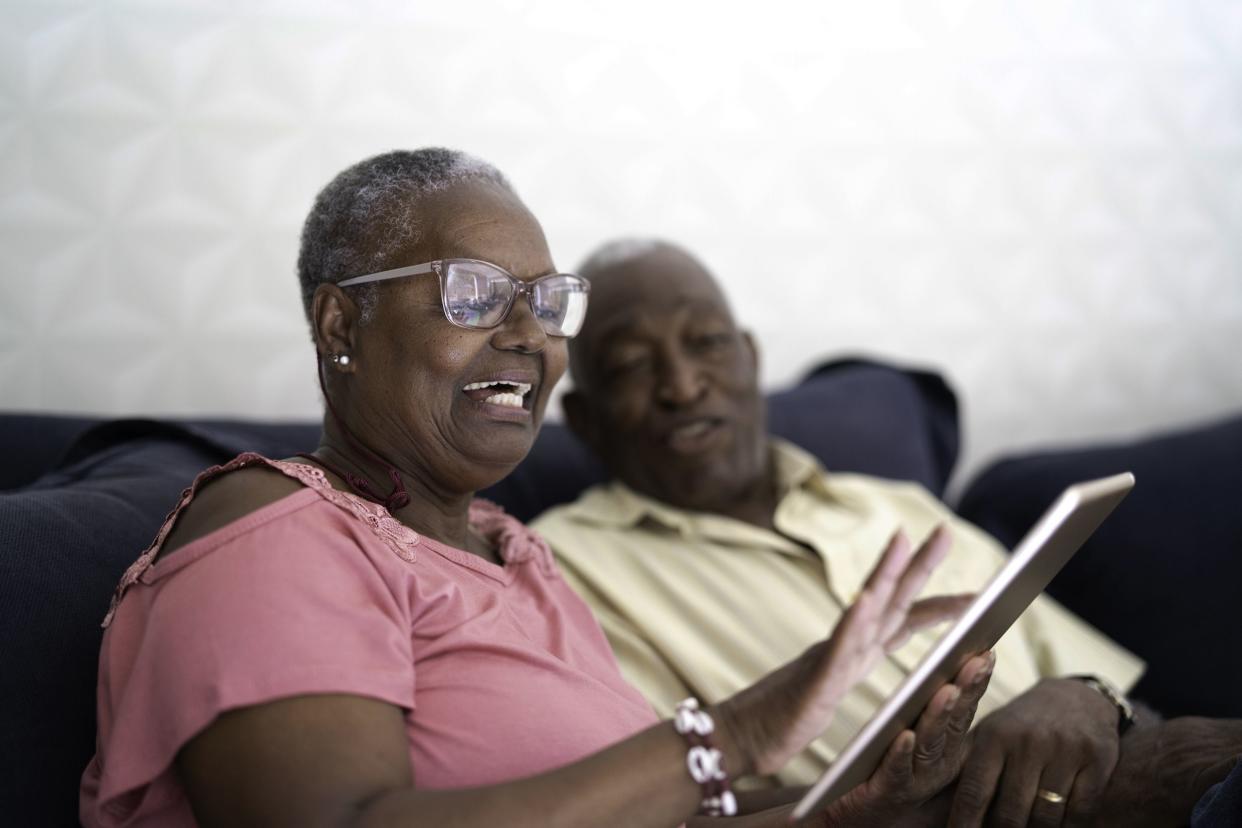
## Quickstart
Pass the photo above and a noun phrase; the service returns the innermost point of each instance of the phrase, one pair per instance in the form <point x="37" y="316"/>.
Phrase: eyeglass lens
<point x="477" y="295"/>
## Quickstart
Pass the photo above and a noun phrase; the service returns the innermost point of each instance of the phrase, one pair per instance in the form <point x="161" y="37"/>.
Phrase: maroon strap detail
<point x="395" y="499"/>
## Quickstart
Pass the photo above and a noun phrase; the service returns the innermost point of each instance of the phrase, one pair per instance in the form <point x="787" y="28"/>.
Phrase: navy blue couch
<point x="80" y="498"/>
<point x="1163" y="575"/>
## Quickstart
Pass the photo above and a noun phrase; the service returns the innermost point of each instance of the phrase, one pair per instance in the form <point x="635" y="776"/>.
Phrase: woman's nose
<point x="521" y="331"/>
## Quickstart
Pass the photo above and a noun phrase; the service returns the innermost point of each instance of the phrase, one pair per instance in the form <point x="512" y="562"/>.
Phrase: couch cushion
<point x="63" y="545"/>
<point x="64" y="542"/>
<point x="1163" y="575"/>
<point x="33" y="443"/>
<point x="858" y="415"/>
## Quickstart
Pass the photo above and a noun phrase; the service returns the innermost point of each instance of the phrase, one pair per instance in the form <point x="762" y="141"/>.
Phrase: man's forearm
<point x="1145" y="716"/>
<point x="1166" y="766"/>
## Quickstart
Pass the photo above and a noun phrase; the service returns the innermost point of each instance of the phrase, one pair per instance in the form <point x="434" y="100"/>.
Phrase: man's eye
<point x="711" y="341"/>
<point x="627" y="366"/>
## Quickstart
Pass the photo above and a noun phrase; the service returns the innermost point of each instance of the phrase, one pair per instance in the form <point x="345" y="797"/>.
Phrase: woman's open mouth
<point x="499" y="392"/>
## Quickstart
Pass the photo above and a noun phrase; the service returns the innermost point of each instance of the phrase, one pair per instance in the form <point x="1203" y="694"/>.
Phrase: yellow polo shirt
<point x="701" y="605"/>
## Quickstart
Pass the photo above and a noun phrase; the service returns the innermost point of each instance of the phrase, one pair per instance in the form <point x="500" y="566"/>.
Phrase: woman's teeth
<point x="511" y="400"/>
<point x="510" y="396"/>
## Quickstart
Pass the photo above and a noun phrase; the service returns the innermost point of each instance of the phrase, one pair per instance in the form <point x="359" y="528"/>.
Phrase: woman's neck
<point x="430" y="510"/>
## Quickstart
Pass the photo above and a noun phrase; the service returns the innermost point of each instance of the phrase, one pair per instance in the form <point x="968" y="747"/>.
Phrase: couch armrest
<point x="1163" y="575"/>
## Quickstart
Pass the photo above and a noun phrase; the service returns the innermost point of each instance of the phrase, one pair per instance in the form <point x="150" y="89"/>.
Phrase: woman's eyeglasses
<point x="480" y="295"/>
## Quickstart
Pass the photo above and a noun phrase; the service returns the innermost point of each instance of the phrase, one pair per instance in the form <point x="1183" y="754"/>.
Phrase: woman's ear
<point x="334" y="321"/>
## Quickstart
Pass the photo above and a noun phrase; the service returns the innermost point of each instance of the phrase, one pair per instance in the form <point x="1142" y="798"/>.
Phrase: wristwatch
<point x="1125" y="710"/>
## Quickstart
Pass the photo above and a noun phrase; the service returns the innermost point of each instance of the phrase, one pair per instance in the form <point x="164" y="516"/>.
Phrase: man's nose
<point x="681" y="381"/>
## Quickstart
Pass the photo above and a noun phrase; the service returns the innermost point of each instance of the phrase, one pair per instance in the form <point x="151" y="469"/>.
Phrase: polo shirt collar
<point x="617" y="505"/>
<point x="798" y="469"/>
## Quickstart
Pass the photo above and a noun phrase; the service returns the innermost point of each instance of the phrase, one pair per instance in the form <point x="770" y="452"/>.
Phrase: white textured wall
<point x="1043" y="199"/>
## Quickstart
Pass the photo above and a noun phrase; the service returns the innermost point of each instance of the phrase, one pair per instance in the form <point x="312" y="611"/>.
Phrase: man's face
<point x="667" y="385"/>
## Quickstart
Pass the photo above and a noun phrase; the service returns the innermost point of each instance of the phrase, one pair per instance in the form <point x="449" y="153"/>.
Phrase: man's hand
<point x="1060" y="737"/>
<point x="920" y="763"/>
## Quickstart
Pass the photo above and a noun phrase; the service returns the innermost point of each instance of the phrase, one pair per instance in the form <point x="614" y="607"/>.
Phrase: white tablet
<point x="1034" y="562"/>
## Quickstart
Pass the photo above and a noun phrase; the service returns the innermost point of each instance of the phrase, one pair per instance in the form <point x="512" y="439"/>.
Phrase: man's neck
<point x="755" y="503"/>
<point x="758" y="505"/>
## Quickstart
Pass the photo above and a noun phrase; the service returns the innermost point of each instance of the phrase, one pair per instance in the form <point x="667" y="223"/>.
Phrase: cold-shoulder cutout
<point x="223" y="499"/>
<point x="251" y="484"/>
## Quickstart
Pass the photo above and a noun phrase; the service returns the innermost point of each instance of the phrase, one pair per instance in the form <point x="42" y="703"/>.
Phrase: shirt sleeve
<point x="1065" y="645"/>
<point x="269" y="607"/>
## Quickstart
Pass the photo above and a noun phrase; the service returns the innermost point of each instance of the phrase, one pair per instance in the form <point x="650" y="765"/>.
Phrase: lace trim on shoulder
<point x="515" y="541"/>
<point x="396" y="534"/>
<point x="399" y="537"/>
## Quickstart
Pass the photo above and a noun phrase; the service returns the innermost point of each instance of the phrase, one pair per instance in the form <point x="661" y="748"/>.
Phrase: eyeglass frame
<point x="437" y="266"/>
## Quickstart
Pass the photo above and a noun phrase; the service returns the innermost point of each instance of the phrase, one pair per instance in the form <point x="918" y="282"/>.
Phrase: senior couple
<point x="348" y="638"/>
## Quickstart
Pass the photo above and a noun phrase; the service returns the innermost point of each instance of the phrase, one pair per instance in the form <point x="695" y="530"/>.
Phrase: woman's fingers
<point x="973" y="680"/>
<point x="896" y="768"/>
<point x="913" y="577"/>
<point x="942" y="727"/>
<point x="930" y="554"/>
<point x="875" y="802"/>
<point x="888" y="597"/>
<point x="931" y="731"/>
<point x="926" y="613"/>
<point x="809" y="689"/>
<point x="929" y="611"/>
<point x="888" y="571"/>
<point x="921" y="762"/>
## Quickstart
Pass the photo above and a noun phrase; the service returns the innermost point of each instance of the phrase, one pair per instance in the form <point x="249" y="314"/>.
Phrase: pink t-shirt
<point x="502" y="671"/>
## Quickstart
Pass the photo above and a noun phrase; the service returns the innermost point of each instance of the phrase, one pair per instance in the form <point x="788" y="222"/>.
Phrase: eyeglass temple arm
<point x="384" y="275"/>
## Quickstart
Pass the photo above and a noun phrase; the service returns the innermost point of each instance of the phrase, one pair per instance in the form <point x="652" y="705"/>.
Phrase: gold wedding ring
<point x="1050" y="796"/>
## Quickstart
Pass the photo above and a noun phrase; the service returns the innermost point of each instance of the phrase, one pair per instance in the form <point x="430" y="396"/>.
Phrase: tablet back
<point x="1035" y="561"/>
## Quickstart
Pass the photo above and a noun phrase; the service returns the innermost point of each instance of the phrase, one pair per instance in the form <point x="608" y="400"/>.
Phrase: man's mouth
<point x="499" y="392"/>
<point x="694" y="436"/>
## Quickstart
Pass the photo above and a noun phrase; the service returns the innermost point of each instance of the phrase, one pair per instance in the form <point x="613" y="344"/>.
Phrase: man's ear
<point x="334" y="320"/>
<point x="749" y="341"/>
<point x="581" y="419"/>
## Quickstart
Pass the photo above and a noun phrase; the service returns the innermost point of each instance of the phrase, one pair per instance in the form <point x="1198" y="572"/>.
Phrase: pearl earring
<point x="341" y="359"/>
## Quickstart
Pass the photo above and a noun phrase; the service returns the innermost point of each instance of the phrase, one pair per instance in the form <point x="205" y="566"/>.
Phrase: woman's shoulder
<point x="228" y="494"/>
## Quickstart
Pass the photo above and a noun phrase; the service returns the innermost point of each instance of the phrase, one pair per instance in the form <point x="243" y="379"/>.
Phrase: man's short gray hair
<point x="370" y="211"/>
<point x="619" y="251"/>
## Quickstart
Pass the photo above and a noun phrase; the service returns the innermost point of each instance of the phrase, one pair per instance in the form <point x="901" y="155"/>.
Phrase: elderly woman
<point x="349" y="639"/>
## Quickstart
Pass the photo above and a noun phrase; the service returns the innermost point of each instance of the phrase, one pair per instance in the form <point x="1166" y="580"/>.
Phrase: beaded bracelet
<point x="704" y="760"/>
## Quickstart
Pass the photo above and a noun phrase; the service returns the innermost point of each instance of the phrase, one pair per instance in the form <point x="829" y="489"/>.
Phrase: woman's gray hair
<point x="371" y="210"/>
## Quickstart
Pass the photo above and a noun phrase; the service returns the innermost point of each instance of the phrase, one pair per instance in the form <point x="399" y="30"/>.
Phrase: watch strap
<point x="1125" y="710"/>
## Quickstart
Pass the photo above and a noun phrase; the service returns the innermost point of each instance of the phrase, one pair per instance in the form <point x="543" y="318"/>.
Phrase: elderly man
<point x="718" y="552"/>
